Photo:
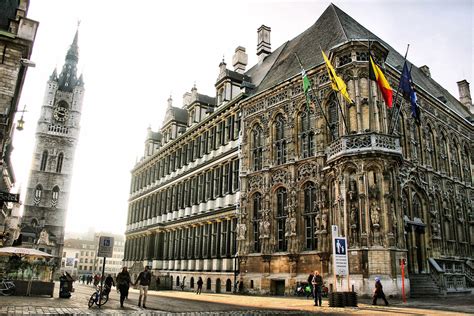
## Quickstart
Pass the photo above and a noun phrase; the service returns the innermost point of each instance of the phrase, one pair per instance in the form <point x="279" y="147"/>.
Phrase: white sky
<point x="133" y="54"/>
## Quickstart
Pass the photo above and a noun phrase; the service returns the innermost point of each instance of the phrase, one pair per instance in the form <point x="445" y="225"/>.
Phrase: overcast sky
<point x="134" y="54"/>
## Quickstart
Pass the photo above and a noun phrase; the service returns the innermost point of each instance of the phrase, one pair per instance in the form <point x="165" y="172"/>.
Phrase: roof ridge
<point x="333" y="6"/>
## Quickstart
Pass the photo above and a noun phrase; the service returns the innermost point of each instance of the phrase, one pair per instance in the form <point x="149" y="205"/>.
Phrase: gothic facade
<point x="396" y="189"/>
<point x="57" y="132"/>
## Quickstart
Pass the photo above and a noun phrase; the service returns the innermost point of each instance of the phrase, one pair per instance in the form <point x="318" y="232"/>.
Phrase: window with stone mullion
<point x="257" y="216"/>
<point x="209" y="185"/>
<point x="214" y="239"/>
<point x="281" y="218"/>
<point x="217" y="182"/>
<point x="178" y="158"/>
<point x="257" y="148"/>
<point x="202" y="188"/>
<point x="212" y="138"/>
<point x="187" y="193"/>
<point x="310" y="211"/>
<point x="184" y="243"/>
<point x="206" y="243"/>
<point x="237" y="122"/>
<point x="235" y="176"/>
<point x="233" y="232"/>
<point x="225" y="178"/>
<point x="224" y="239"/>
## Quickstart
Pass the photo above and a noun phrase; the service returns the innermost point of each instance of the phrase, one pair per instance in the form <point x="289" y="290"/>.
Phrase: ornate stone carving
<point x="255" y="182"/>
<point x="279" y="176"/>
<point x="307" y="170"/>
<point x="375" y="215"/>
<point x="264" y="231"/>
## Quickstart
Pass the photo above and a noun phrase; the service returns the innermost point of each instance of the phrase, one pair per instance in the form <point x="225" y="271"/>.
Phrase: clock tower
<point x="57" y="132"/>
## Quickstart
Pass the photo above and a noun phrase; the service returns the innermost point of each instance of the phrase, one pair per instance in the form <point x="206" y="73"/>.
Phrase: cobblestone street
<point x="188" y="303"/>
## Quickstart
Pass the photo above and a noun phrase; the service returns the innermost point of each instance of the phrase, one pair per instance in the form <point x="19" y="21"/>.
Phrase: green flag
<point x="306" y="87"/>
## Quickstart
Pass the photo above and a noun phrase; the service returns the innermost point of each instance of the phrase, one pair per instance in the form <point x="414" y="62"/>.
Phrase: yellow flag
<point x="337" y="83"/>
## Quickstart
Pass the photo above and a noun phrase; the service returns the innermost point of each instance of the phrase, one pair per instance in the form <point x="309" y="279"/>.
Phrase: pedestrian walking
<point x="317" y="283"/>
<point x="199" y="284"/>
<point x="123" y="284"/>
<point x="83" y="279"/>
<point x="378" y="292"/>
<point x="143" y="280"/>
<point x="109" y="282"/>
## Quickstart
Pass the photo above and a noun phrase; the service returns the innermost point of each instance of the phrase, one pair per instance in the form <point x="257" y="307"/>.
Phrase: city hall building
<point x="246" y="185"/>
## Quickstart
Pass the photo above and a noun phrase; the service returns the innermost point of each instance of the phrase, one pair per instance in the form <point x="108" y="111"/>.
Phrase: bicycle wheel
<point x="92" y="300"/>
<point x="104" y="300"/>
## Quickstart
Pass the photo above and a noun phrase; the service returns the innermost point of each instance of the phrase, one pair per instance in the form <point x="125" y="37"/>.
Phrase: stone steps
<point x="422" y="285"/>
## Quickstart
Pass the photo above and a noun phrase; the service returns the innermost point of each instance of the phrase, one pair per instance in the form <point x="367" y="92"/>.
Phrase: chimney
<point x="426" y="71"/>
<point x="465" y="95"/>
<point x="263" y="46"/>
<point x="240" y="59"/>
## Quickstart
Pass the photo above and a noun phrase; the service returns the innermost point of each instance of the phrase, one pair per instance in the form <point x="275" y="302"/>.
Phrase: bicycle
<point x="7" y="287"/>
<point x="94" y="299"/>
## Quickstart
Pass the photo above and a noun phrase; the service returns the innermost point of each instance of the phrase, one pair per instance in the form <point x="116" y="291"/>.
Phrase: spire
<point x="68" y="76"/>
<point x="54" y="75"/>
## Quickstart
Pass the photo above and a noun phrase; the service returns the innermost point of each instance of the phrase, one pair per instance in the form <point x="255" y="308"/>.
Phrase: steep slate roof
<point x="334" y="27"/>
<point x="180" y="115"/>
<point x="205" y="99"/>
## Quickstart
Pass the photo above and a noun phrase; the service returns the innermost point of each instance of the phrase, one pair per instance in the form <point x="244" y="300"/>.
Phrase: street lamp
<point x="21" y="123"/>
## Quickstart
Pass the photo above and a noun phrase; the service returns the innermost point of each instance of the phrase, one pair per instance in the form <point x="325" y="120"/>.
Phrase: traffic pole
<point x="102" y="281"/>
<point x="403" y="280"/>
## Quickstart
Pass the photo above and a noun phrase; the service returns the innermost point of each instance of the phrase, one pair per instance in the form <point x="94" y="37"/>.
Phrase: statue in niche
<point x="324" y="222"/>
<point x="241" y="231"/>
<point x="354" y="216"/>
<point x="43" y="238"/>
<point x="264" y="225"/>
<point x="352" y="193"/>
<point x="375" y="214"/>
<point x="394" y="219"/>
<point x="317" y="221"/>
<point x="373" y="191"/>
<point x="436" y="229"/>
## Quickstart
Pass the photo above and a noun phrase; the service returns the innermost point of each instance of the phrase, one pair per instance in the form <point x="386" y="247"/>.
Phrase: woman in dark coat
<point x="378" y="292"/>
<point x="199" y="284"/>
<point x="123" y="284"/>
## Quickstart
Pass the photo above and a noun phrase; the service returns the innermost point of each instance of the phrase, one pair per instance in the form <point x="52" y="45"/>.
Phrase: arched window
<point x="281" y="214"/>
<point x="44" y="160"/>
<point x="333" y="117"/>
<point x="416" y="144"/>
<point x="177" y="281"/>
<point x="310" y="210"/>
<point x="257" y="215"/>
<point x="306" y="135"/>
<point x="54" y="200"/>
<point x="59" y="165"/>
<point x="191" y="283"/>
<point x="257" y="148"/>
<point x="280" y="141"/>
<point x="208" y="284"/>
<point x="228" y="285"/>
<point x="38" y="194"/>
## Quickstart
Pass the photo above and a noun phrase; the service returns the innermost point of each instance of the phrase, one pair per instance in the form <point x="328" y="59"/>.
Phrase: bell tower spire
<point x="68" y="76"/>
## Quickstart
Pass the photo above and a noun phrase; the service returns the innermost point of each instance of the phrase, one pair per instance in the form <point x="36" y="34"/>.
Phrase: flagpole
<point x="370" y="86"/>
<point x="392" y="129"/>
<point x="314" y="96"/>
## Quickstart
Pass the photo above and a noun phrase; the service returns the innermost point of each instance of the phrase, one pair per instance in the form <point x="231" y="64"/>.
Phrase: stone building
<point x="57" y="133"/>
<point x="17" y="36"/>
<point x="401" y="193"/>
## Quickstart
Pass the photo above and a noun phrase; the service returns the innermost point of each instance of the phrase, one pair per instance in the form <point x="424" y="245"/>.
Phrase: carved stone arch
<point x="374" y="165"/>
<point x="255" y="182"/>
<point x="350" y="167"/>
<point x="277" y="113"/>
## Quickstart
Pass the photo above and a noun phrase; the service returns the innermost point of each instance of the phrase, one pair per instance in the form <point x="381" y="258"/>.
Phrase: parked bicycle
<point x="7" y="287"/>
<point x="96" y="295"/>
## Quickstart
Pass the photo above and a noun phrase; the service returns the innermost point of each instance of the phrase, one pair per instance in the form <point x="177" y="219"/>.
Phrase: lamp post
<point x="236" y="271"/>
<point x="21" y="123"/>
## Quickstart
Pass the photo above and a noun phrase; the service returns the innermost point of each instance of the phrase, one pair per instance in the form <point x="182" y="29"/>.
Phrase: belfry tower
<point x="57" y="133"/>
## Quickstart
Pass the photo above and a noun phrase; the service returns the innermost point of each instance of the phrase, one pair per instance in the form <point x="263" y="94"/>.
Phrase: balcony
<point x="360" y="144"/>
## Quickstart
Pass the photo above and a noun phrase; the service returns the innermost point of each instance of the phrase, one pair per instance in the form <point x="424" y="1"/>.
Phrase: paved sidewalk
<point x="190" y="304"/>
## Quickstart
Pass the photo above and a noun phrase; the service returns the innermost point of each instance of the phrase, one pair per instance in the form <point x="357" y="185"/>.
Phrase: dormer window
<point x="191" y="117"/>
<point x="220" y="95"/>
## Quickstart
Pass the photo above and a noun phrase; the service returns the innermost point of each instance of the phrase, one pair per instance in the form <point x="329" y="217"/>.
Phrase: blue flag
<point x="408" y="90"/>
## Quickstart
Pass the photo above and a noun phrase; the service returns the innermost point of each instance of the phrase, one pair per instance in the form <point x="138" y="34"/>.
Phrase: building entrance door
<point x="415" y="241"/>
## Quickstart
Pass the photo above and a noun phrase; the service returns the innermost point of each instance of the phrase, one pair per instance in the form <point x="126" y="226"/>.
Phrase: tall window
<point x="333" y="118"/>
<point x="281" y="199"/>
<point x="443" y="155"/>
<point x="456" y="171"/>
<point x="467" y="165"/>
<point x="310" y="210"/>
<point x="257" y="148"/>
<point x="280" y="142"/>
<point x="38" y="194"/>
<point x="430" y="149"/>
<point x="306" y="135"/>
<point x="44" y="160"/>
<point x="257" y="215"/>
<point x="54" y="200"/>
<point x="59" y="165"/>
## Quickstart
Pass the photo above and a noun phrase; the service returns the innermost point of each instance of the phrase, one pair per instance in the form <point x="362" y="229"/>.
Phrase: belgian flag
<point x="376" y="74"/>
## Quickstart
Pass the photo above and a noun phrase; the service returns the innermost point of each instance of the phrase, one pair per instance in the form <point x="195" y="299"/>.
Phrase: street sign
<point x="106" y="247"/>
<point x="9" y="197"/>
<point x="341" y="265"/>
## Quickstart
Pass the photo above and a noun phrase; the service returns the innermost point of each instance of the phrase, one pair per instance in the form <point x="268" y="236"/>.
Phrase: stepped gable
<point x="334" y="27"/>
